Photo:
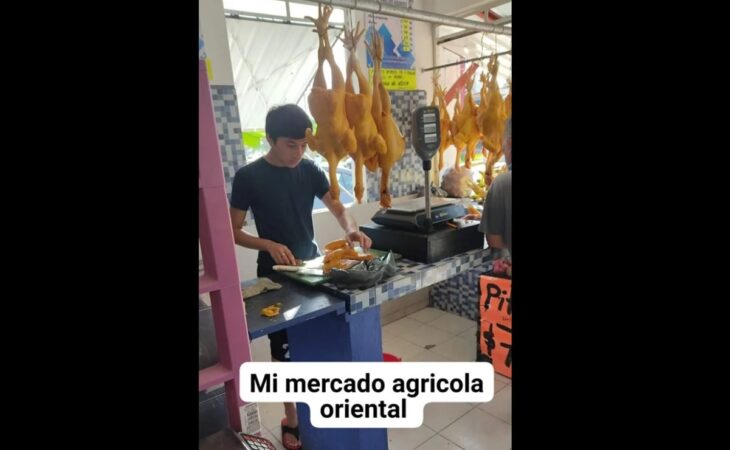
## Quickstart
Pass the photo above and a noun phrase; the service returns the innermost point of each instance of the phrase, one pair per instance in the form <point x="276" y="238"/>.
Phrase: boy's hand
<point x="281" y="254"/>
<point x="358" y="236"/>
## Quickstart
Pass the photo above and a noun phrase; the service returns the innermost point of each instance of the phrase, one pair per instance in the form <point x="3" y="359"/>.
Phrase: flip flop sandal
<point x="294" y="431"/>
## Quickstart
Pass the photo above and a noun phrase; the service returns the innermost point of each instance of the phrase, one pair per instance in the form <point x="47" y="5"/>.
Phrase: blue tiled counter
<point x="330" y="335"/>
<point x="411" y="277"/>
<point x="460" y="294"/>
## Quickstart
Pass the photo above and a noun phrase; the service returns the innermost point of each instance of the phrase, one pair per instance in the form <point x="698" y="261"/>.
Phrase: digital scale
<point x="408" y="227"/>
<point x="412" y="215"/>
<point x="422" y="213"/>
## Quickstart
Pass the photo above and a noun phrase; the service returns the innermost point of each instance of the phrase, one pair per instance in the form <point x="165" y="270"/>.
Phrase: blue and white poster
<point x="399" y="64"/>
<point x="201" y="44"/>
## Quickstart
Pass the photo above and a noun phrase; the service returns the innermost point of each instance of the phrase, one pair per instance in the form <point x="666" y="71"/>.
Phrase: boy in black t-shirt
<point x="280" y="188"/>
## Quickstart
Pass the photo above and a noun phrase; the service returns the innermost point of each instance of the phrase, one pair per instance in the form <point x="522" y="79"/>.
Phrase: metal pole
<point x="268" y="18"/>
<point x="466" y="61"/>
<point x="277" y="21"/>
<point x="427" y="194"/>
<point x="415" y="14"/>
<point x="459" y="35"/>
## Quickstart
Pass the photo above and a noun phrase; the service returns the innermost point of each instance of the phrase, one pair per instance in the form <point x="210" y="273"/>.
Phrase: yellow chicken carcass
<point x="342" y="264"/>
<point x="271" y="310"/>
<point x="334" y="245"/>
<point x="478" y="191"/>
<point x="358" y="107"/>
<point x="481" y="111"/>
<point x="344" y="258"/>
<point x="381" y="111"/>
<point x="445" y="121"/>
<point x="483" y="97"/>
<point x="454" y="130"/>
<point x="492" y="120"/>
<point x="342" y="252"/>
<point x="457" y="110"/>
<point x="346" y="252"/>
<point x="335" y="138"/>
<point x="466" y="122"/>
<point x="489" y="172"/>
<point x="508" y="100"/>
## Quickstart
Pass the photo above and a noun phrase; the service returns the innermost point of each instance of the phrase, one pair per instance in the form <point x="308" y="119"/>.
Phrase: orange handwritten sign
<point x="495" y="330"/>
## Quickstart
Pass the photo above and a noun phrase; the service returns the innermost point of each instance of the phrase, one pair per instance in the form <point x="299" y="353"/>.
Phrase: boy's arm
<point x="347" y="222"/>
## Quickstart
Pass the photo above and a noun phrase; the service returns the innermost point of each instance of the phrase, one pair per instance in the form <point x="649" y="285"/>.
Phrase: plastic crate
<point x="256" y="442"/>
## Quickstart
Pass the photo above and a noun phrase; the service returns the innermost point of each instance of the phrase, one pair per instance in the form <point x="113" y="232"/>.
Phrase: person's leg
<point x="279" y="344"/>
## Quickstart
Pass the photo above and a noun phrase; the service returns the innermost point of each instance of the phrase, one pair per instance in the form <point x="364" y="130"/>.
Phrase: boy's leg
<point x="279" y="345"/>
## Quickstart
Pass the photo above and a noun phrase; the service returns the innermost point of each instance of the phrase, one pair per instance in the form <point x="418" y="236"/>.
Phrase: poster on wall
<point x="399" y="64"/>
<point x="201" y="46"/>
<point x="202" y="55"/>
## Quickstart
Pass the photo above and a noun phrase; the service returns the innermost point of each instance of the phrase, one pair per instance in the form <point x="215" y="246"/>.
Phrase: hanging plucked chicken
<point x="445" y="120"/>
<point x="358" y="107"/>
<point x="335" y="138"/>
<point x="381" y="111"/>
<point x="468" y="134"/>
<point x="492" y="120"/>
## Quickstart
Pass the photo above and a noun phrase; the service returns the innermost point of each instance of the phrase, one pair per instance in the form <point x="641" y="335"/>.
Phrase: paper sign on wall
<point x="202" y="54"/>
<point x="201" y="46"/>
<point x="399" y="64"/>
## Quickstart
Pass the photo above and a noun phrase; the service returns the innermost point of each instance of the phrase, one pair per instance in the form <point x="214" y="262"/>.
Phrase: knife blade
<point x="299" y="269"/>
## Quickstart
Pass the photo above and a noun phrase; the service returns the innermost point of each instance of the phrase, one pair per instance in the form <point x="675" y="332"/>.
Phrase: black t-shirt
<point x="281" y="199"/>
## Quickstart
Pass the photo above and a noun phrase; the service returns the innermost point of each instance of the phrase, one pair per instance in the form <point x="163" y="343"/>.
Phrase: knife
<point x="299" y="269"/>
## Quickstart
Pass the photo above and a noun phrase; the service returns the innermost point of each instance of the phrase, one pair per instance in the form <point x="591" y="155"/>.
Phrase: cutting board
<point x="314" y="280"/>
